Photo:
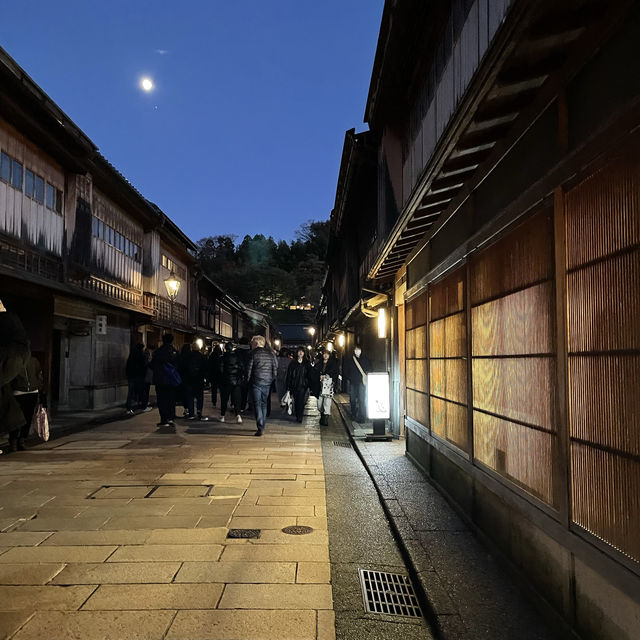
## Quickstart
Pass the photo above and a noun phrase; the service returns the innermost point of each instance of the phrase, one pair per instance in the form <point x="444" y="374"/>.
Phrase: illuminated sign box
<point x="378" y="396"/>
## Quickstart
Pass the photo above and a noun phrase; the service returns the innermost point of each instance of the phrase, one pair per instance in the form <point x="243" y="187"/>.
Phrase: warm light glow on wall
<point x="382" y="323"/>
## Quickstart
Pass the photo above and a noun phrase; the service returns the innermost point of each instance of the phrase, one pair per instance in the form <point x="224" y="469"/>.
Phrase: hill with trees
<point x="265" y="273"/>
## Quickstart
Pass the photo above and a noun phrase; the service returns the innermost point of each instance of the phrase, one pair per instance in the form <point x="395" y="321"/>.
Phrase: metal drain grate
<point x="342" y="443"/>
<point x="388" y="593"/>
<point x="243" y="533"/>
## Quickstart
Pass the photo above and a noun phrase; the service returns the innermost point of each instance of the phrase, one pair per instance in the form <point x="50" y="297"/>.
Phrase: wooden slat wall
<point x="603" y="324"/>
<point x="462" y="60"/>
<point x="513" y="351"/>
<point x="21" y="216"/>
<point x="447" y="352"/>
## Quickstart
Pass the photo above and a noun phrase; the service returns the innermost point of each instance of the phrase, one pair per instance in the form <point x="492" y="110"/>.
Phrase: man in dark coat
<point x="262" y="369"/>
<point x="354" y="369"/>
<point x="194" y="374"/>
<point x="213" y="373"/>
<point x="163" y="365"/>
<point x="231" y="381"/>
<point x="136" y="370"/>
<point x="298" y="381"/>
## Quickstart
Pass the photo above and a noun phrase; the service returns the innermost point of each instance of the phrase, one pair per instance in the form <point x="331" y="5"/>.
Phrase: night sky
<point x="243" y="131"/>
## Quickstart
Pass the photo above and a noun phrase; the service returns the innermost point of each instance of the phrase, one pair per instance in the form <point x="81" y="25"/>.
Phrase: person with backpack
<point x="166" y="380"/>
<point x="194" y="373"/>
<point x="231" y="379"/>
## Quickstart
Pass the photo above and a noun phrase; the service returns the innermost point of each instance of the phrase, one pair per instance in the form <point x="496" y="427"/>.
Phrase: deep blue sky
<point x="244" y="131"/>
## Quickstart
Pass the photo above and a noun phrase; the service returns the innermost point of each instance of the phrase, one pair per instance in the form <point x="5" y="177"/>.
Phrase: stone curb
<point x="439" y="609"/>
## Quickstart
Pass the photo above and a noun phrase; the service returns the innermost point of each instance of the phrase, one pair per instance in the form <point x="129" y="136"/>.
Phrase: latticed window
<point x="447" y="364"/>
<point x="603" y="326"/>
<point x="514" y="363"/>
<point x="416" y="360"/>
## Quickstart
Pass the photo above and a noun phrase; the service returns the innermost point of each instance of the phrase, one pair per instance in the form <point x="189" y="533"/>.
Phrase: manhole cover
<point x="243" y="533"/>
<point x="388" y="593"/>
<point x="342" y="443"/>
<point x="297" y="530"/>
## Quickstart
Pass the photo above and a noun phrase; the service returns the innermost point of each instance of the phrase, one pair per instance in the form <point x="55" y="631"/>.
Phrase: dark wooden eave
<point x="537" y="48"/>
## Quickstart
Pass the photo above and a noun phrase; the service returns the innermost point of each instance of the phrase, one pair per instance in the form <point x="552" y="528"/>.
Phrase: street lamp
<point x="173" y="287"/>
<point x="277" y="343"/>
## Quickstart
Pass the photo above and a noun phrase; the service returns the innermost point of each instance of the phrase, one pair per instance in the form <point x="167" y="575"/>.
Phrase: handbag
<point x="286" y="399"/>
<point x="41" y="421"/>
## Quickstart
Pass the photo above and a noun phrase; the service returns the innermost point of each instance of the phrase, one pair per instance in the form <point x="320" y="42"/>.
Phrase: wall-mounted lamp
<point x="382" y="323"/>
<point x="341" y="340"/>
<point x="277" y="343"/>
<point x="329" y="347"/>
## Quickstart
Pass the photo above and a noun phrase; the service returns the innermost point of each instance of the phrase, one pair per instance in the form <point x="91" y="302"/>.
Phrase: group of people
<point x="241" y="374"/>
<point x="21" y="382"/>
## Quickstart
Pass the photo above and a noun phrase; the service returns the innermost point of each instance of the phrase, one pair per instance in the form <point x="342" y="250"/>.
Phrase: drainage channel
<point x="372" y="592"/>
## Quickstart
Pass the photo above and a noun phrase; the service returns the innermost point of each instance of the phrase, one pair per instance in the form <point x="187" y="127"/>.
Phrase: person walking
<point x="355" y="369"/>
<point x="136" y="369"/>
<point x="324" y="385"/>
<point x="14" y="357"/>
<point x="166" y="380"/>
<point x="184" y="390"/>
<point x="231" y="380"/>
<point x="283" y="365"/>
<point x="297" y="381"/>
<point x="195" y="368"/>
<point x="262" y="368"/>
<point x="213" y="373"/>
<point x="244" y="351"/>
<point x="27" y="389"/>
<point x="148" y="379"/>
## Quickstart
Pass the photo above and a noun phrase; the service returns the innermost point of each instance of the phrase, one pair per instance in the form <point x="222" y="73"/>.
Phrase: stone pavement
<point x="120" y="532"/>
<point x="470" y="596"/>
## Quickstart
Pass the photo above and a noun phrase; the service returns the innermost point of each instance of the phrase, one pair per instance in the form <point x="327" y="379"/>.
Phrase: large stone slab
<point x="28" y="573"/>
<point x="16" y="598"/>
<point x="237" y="572"/>
<point x="276" y="553"/>
<point x="152" y="522"/>
<point x="167" y="553"/>
<point x="57" y="554"/>
<point x="23" y="538"/>
<point x="211" y="535"/>
<point x="97" y="625"/>
<point x="155" y="596"/>
<point x="274" y="510"/>
<point x="64" y="524"/>
<point x="245" y="624"/>
<point x="118" y="573"/>
<point x="277" y="596"/>
<point x="11" y="621"/>
<point x="80" y="538"/>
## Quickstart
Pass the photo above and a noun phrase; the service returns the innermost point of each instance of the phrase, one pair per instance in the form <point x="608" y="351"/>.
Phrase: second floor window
<point x="53" y="198"/>
<point x="11" y="171"/>
<point x="34" y="186"/>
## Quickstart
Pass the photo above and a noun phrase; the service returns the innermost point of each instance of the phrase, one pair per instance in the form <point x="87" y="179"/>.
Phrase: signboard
<point x="378" y="396"/>
<point x="101" y="325"/>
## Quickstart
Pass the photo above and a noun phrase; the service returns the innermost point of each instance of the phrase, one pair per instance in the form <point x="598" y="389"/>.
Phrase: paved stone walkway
<point x="120" y="533"/>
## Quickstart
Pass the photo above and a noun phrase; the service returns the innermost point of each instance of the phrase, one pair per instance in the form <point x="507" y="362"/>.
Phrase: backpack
<point x="172" y="375"/>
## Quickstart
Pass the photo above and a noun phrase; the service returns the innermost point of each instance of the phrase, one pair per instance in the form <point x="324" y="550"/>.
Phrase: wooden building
<point x="507" y="188"/>
<point x="83" y="255"/>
